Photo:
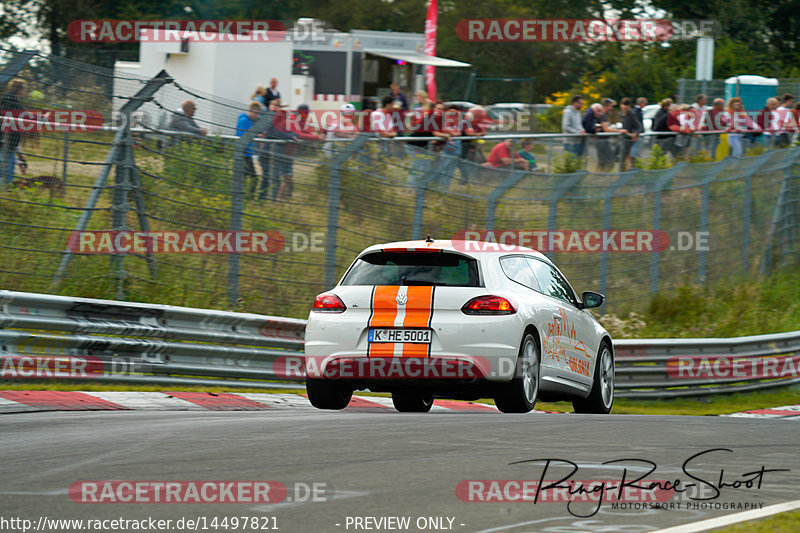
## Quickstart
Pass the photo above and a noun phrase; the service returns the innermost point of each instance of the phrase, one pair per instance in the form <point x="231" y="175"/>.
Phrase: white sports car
<point x="457" y="319"/>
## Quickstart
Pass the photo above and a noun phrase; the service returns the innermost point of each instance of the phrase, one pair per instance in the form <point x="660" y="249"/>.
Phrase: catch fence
<point x="724" y="218"/>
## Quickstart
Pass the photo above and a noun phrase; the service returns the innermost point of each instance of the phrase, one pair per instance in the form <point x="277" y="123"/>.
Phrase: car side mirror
<point x="592" y="299"/>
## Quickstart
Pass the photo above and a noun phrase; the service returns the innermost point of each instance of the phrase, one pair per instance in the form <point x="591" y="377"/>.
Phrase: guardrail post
<point x="334" y="192"/>
<point x="145" y="94"/>
<point x="658" y="187"/>
<point x="569" y="181"/>
<point x="494" y="196"/>
<point x="608" y="199"/>
<point x="237" y="196"/>
<point x="704" y="207"/>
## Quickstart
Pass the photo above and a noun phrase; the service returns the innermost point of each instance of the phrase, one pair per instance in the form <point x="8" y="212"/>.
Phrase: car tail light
<point x="488" y="305"/>
<point x="328" y="303"/>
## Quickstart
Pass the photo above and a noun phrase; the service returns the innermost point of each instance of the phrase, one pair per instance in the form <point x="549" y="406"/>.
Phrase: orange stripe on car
<point x="419" y="309"/>
<point x="384" y="313"/>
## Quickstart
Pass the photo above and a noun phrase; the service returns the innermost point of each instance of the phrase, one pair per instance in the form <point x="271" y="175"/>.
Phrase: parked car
<point x="507" y="324"/>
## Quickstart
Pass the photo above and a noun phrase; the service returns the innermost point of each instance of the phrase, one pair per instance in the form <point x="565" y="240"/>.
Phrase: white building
<point x="323" y="72"/>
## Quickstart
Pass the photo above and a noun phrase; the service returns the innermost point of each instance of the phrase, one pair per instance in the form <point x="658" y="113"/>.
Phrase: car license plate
<point x="417" y="336"/>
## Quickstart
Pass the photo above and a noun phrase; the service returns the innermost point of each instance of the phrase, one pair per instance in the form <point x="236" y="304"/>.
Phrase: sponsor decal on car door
<point x="401" y="307"/>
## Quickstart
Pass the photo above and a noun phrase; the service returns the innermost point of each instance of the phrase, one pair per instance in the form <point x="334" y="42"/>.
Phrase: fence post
<point x="608" y="199"/>
<point x="497" y="193"/>
<point x="15" y="65"/>
<point x="237" y="196"/>
<point x="119" y="206"/>
<point x="569" y="181"/>
<point x="334" y="192"/>
<point x="704" y="207"/>
<point x="421" y="182"/>
<point x="66" y="153"/>
<point x="658" y="187"/>
<point x="781" y="217"/>
<point x="747" y="201"/>
<point x="145" y="94"/>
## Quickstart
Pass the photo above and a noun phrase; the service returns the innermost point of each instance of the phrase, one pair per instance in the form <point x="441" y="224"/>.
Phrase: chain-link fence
<point x="323" y="201"/>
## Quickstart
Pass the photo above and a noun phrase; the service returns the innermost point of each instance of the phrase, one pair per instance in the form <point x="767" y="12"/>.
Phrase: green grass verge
<point x="730" y="308"/>
<point x="781" y="523"/>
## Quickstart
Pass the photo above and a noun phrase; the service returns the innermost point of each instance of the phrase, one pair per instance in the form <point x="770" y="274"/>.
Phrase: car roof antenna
<point x="428" y="238"/>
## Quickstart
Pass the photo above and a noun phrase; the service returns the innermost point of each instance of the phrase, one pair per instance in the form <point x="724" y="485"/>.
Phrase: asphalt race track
<point x="380" y="465"/>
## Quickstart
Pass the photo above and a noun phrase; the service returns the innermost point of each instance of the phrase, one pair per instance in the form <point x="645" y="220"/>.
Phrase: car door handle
<point x="557" y="317"/>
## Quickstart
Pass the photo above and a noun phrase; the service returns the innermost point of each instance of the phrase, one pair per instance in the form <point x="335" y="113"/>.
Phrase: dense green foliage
<point x="758" y="38"/>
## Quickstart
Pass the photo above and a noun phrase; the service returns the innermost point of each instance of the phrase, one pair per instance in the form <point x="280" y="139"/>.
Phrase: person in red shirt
<point x="684" y="122"/>
<point x="501" y="156"/>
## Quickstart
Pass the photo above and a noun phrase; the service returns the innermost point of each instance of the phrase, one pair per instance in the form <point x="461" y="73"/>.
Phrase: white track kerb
<point x="711" y="523"/>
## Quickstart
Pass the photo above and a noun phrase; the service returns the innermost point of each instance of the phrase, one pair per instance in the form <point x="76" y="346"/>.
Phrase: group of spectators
<point x="596" y="120"/>
<point x="698" y="126"/>
<point x="691" y="128"/>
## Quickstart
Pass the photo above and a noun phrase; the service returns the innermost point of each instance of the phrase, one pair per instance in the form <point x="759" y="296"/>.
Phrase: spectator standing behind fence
<point x="183" y="120"/>
<point x="784" y="136"/>
<point x="272" y="92"/>
<point x="681" y="121"/>
<point x="381" y="119"/>
<point x="258" y="96"/>
<point x="596" y="121"/>
<point x="423" y="102"/>
<point x="700" y="102"/>
<point x="739" y="124"/>
<point x="10" y="140"/>
<point x="765" y="120"/>
<point x="714" y="123"/>
<point x="288" y="131"/>
<point x="641" y="102"/>
<point x="660" y="124"/>
<point x="571" y="123"/>
<point x="244" y="123"/>
<point x="398" y="97"/>
<point x="630" y="122"/>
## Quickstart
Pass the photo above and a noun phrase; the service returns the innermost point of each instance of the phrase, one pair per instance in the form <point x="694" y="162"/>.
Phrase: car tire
<point x="519" y="395"/>
<point x="328" y="393"/>
<point x="412" y="401"/>
<point x="601" y="398"/>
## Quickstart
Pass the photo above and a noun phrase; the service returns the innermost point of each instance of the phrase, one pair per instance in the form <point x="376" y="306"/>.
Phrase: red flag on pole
<point x="430" y="47"/>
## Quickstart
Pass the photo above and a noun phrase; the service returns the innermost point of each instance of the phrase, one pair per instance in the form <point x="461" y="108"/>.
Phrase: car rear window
<point x="414" y="268"/>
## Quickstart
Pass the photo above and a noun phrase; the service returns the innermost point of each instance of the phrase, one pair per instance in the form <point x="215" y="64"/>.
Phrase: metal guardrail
<point x="144" y="343"/>
<point x="660" y="368"/>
